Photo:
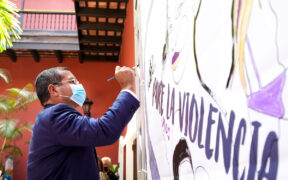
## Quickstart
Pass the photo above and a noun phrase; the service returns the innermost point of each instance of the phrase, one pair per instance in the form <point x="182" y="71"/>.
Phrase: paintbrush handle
<point x="114" y="76"/>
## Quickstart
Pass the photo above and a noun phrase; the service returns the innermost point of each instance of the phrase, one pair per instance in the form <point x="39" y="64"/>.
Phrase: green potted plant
<point x="16" y="99"/>
<point x="10" y="127"/>
<point x="114" y="170"/>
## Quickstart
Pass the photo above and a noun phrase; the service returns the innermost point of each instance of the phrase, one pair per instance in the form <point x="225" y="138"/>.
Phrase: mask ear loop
<point x="63" y="96"/>
<point x="59" y="83"/>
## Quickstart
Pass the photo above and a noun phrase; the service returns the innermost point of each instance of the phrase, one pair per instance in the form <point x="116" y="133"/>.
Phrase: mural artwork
<point x="214" y="73"/>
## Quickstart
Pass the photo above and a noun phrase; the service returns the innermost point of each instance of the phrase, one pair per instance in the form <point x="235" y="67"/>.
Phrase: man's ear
<point x="53" y="90"/>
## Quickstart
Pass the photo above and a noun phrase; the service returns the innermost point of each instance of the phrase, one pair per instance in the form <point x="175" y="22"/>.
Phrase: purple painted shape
<point x="268" y="100"/>
<point x="175" y="56"/>
<point x="152" y="161"/>
<point x="253" y="62"/>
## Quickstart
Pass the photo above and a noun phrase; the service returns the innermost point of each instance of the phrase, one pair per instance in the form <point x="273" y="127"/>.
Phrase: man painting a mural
<point x="215" y="83"/>
<point x="63" y="141"/>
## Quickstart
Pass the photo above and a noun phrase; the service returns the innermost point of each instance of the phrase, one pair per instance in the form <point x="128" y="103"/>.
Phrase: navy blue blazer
<point x="63" y="141"/>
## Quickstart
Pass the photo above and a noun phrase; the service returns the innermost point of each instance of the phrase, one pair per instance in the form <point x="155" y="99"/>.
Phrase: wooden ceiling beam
<point x="100" y="39"/>
<point x="59" y="56"/>
<point x="104" y="49"/>
<point x="100" y="26"/>
<point x="80" y="55"/>
<point x="100" y="12"/>
<point x="11" y="54"/>
<point x="35" y="55"/>
<point x="101" y="58"/>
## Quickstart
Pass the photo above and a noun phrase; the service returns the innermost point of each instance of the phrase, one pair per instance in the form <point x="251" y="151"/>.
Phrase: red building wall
<point x="93" y="77"/>
<point x="127" y="58"/>
<point x="127" y="54"/>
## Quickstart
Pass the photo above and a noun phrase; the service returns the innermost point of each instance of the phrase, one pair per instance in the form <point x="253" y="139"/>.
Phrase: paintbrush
<point x="114" y="76"/>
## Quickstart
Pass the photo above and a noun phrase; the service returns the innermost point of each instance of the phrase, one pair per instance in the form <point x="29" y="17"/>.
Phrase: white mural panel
<point x="215" y="90"/>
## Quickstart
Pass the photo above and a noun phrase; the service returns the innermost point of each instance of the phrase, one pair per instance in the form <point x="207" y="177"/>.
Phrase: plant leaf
<point x="7" y="128"/>
<point x="14" y="91"/>
<point x="4" y="74"/>
<point x="22" y="96"/>
<point x="13" y="150"/>
<point x="26" y="127"/>
<point x="9" y="25"/>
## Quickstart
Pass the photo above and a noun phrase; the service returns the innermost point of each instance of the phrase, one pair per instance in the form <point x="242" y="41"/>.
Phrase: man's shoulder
<point x="60" y="106"/>
<point x="54" y="113"/>
<point x="57" y="109"/>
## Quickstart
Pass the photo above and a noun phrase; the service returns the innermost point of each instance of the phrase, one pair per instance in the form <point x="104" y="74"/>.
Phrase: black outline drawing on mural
<point x="252" y="149"/>
<point x="276" y="43"/>
<point x="181" y="152"/>
<point x="195" y="54"/>
<point x="280" y="79"/>
<point x="177" y="76"/>
<point x="178" y="66"/>
<point x="151" y="70"/>
<point x="233" y="48"/>
<point x="268" y="99"/>
<point x="262" y="89"/>
<point x="203" y="84"/>
<point x="197" y="172"/>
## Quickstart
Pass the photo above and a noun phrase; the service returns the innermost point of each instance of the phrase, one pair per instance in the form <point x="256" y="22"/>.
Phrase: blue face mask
<point x="79" y="94"/>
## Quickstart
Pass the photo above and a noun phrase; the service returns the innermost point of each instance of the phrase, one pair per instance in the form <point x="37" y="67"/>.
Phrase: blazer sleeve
<point x="72" y="129"/>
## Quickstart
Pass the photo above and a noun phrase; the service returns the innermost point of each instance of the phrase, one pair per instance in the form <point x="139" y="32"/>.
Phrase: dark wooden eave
<point x="100" y="27"/>
<point x="59" y="56"/>
<point x="42" y="44"/>
<point x="99" y="12"/>
<point x="35" y="55"/>
<point x="11" y="54"/>
<point x="50" y="34"/>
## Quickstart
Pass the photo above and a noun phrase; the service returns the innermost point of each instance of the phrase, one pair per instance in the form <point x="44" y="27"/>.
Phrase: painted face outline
<point x="181" y="38"/>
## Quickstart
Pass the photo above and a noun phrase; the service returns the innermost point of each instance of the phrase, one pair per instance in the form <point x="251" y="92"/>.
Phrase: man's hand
<point x="125" y="76"/>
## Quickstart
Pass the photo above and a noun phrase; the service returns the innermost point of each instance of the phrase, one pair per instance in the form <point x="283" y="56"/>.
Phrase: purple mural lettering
<point x="193" y="108"/>
<point x="154" y="92"/>
<point x="208" y="150"/>
<point x="200" y="145"/>
<point x="165" y="128"/>
<point x="226" y="140"/>
<point x="270" y="152"/>
<point x="187" y="113"/>
<point x="191" y="122"/>
<point x="181" y="109"/>
<point x="241" y="128"/>
<point x="253" y="151"/>
<point x="157" y="95"/>
<point x="170" y="110"/>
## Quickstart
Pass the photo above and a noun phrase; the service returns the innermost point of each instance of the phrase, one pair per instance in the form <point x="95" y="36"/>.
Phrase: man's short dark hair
<point x="44" y="79"/>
